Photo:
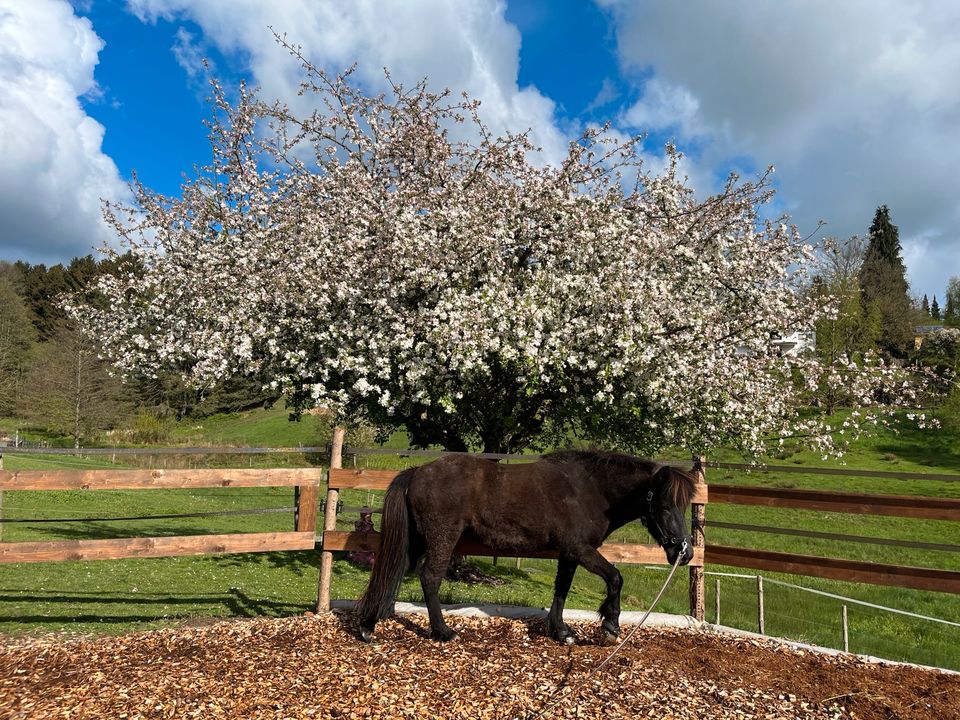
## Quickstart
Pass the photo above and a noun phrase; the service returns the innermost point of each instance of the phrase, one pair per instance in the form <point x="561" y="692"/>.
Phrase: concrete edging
<point x="516" y="612"/>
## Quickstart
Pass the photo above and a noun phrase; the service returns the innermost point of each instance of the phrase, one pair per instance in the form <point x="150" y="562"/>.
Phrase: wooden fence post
<point x="330" y="523"/>
<point x="846" y="630"/>
<point x="306" y="512"/>
<point x="761" y="624"/>
<point x="697" y="521"/>
<point x="717" y="611"/>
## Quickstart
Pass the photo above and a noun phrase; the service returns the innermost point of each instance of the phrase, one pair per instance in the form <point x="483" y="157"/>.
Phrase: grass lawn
<point x="124" y="595"/>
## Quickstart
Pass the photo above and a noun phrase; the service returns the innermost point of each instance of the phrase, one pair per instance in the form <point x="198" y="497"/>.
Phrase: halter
<point x="649" y="520"/>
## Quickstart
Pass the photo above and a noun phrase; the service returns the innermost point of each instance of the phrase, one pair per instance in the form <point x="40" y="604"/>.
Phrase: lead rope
<point x="576" y="688"/>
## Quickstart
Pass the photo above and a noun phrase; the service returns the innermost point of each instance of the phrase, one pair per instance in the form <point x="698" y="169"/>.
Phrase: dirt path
<point x="314" y="668"/>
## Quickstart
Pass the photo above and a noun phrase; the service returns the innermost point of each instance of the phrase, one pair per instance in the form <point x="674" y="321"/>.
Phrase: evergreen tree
<point x="17" y="339"/>
<point x="925" y="305"/>
<point x="884" y="285"/>
<point x="935" y="309"/>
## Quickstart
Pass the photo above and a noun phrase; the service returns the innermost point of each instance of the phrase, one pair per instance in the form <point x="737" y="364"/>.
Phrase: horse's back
<point x="528" y="506"/>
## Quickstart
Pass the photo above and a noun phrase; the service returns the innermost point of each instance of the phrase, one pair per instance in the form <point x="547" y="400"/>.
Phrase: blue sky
<point x="855" y="103"/>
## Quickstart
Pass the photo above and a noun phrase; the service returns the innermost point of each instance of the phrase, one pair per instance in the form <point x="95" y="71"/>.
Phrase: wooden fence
<point x="910" y="506"/>
<point x="307" y="481"/>
<point x="932" y="508"/>
<point x="335" y="540"/>
<point x="303" y="537"/>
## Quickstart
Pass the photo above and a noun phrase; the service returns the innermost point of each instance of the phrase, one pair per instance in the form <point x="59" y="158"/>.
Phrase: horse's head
<point x="667" y="500"/>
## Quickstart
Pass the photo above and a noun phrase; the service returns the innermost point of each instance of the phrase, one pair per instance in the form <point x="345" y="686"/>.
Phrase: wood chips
<point x="315" y="668"/>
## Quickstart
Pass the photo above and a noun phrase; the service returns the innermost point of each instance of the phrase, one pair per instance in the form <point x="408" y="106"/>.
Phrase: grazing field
<point x="123" y="595"/>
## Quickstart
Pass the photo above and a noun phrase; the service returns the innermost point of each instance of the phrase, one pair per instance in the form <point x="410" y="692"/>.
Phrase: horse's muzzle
<point x="681" y="548"/>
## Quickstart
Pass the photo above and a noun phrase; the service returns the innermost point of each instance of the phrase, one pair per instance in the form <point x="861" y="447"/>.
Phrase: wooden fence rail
<point x="303" y="537"/>
<point x="835" y="568"/>
<point x="930" y="508"/>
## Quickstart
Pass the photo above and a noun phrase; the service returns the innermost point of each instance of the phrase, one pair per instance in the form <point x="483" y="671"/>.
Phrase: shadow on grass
<point x="235" y="602"/>
<point x="941" y="455"/>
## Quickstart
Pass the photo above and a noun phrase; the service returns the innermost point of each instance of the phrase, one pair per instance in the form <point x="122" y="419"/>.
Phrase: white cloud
<point x="188" y="54"/>
<point x="856" y="103"/>
<point x="664" y="106"/>
<point x="463" y="45"/>
<point x="53" y="170"/>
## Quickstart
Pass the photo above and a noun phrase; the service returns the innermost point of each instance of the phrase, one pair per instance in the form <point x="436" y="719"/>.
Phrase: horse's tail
<point x="393" y="560"/>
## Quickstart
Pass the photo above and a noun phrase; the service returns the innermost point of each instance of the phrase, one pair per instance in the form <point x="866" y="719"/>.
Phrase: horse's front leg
<point x="596" y="563"/>
<point x="556" y="627"/>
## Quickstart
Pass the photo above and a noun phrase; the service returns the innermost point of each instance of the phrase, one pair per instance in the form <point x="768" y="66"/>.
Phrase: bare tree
<point x="69" y="389"/>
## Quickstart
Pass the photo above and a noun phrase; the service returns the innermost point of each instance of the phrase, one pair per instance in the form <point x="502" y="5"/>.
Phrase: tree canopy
<point x="951" y="311"/>
<point x="391" y="258"/>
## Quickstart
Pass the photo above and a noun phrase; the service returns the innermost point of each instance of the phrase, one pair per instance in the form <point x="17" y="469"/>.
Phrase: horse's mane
<point x="681" y="484"/>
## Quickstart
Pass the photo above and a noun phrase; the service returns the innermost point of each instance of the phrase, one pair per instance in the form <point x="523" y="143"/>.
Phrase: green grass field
<point x="124" y="595"/>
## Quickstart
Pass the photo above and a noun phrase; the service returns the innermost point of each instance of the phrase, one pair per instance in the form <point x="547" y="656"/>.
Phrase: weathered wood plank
<point x="841" y="472"/>
<point x="381" y="479"/>
<point x="361" y="479"/>
<point x="114" y="549"/>
<point x="614" y="552"/>
<point x="930" y="508"/>
<point x="835" y="568"/>
<point x="307" y="497"/>
<point x="156" y="479"/>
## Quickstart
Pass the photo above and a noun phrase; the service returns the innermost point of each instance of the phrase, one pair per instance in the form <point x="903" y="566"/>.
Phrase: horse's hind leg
<point x="434" y="568"/>
<point x="596" y="563"/>
<point x="556" y="627"/>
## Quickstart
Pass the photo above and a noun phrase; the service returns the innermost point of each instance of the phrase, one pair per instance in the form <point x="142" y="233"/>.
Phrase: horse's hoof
<point x="366" y="635"/>
<point x="445" y="635"/>
<point x="609" y="638"/>
<point x="569" y="639"/>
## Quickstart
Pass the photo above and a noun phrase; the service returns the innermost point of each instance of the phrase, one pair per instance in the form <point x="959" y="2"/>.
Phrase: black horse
<point x="567" y="501"/>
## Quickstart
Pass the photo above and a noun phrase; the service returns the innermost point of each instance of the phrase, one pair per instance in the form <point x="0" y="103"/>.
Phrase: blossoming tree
<point x="390" y="258"/>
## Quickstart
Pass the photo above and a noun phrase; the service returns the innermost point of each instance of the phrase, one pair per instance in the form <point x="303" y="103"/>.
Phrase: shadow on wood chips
<point x="316" y="668"/>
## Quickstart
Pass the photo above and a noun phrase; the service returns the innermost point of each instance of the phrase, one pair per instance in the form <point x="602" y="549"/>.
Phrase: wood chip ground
<point x="315" y="668"/>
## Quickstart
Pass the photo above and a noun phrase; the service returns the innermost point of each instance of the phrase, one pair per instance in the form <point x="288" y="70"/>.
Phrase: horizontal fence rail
<point x="305" y="481"/>
<point x="844" y="472"/>
<point x="202" y="450"/>
<point x="930" y="508"/>
<point x="155" y="479"/>
<point x="835" y="568"/>
<point x="380" y="480"/>
<point x="337" y="540"/>
<point x="865" y="539"/>
<point x="155" y="547"/>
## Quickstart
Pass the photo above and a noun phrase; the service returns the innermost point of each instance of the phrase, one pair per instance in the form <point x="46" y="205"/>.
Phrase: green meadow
<point x="119" y="596"/>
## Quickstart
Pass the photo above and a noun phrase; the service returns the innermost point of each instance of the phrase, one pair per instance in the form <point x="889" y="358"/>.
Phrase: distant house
<point x="920" y="330"/>
<point x="796" y="342"/>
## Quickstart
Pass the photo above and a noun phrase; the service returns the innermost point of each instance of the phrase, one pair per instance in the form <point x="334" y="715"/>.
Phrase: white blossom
<point x="367" y="258"/>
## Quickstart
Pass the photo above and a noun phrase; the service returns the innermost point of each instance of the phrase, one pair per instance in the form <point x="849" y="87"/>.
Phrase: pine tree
<point x="925" y="305"/>
<point x="935" y="309"/>
<point x="884" y="285"/>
